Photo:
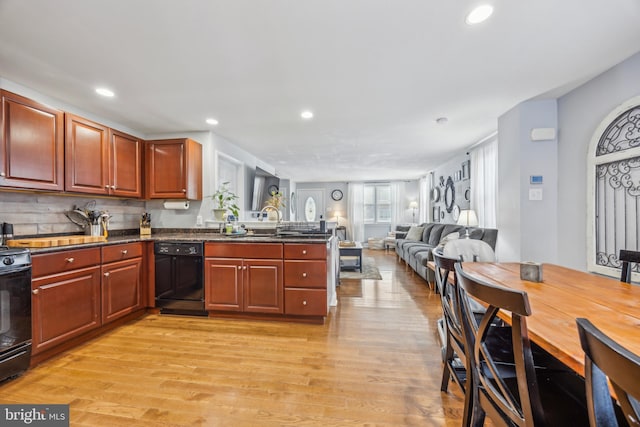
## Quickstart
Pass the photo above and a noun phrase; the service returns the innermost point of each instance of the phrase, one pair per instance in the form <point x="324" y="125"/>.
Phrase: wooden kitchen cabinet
<point x="86" y="156"/>
<point x="121" y="291"/>
<point x="65" y="296"/>
<point x="305" y="279"/>
<point x="31" y="144"/>
<point x="100" y="160"/>
<point x="125" y="165"/>
<point x="244" y="277"/>
<point x="173" y="169"/>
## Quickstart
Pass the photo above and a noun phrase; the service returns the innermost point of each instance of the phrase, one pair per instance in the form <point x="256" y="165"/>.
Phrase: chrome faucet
<point x="273" y="208"/>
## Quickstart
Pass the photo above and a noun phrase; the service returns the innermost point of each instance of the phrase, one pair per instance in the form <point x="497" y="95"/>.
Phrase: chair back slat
<point x="605" y="358"/>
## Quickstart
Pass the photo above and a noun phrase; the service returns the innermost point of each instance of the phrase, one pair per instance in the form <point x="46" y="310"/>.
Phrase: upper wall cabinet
<point x="100" y="160"/>
<point x="173" y="169"/>
<point x="31" y="144"/>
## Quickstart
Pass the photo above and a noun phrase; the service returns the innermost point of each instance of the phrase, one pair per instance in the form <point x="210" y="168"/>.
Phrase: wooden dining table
<point x="564" y="295"/>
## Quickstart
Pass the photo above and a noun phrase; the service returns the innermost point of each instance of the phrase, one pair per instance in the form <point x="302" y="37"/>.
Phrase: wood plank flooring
<point x="376" y="361"/>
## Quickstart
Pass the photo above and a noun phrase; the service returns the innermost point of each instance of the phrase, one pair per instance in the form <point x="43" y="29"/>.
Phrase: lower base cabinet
<point x="121" y="289"/>
<point x="64" y="306"/>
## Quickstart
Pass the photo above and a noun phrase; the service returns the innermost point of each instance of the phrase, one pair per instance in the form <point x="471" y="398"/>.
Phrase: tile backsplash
<point x="35" y="214"/>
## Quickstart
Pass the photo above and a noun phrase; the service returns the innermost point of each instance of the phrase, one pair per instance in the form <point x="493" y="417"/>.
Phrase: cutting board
<point x="47" y="242"/>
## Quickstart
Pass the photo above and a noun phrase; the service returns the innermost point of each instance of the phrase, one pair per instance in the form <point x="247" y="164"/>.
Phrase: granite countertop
<point x="199" y="235"/>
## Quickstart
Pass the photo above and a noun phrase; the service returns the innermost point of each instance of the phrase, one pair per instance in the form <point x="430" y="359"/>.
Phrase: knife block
<point x="145" y="229"/>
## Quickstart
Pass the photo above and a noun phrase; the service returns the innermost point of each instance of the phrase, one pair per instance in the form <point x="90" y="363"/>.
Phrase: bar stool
<point x="606" y="358"/>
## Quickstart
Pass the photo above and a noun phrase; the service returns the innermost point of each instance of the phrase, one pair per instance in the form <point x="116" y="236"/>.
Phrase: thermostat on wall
<point x="535" y="179"/>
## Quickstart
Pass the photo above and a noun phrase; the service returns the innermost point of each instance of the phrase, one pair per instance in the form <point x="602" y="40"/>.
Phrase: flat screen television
<point x="263" y="183"/>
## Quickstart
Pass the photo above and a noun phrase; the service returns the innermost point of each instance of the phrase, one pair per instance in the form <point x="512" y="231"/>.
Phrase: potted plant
<point x="276" y="200"/>
<point x="224" y="200"/>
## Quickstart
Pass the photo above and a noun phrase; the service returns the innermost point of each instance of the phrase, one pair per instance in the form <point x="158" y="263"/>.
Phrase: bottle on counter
<point x="323" y="225"/>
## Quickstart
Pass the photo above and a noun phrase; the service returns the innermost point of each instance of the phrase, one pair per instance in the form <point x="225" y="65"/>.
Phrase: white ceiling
<point x="376" y="73"/>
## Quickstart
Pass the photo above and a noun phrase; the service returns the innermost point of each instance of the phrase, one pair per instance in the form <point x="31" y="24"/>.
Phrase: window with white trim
<point x="377" y="203"/>
<point x="615" y="188"/>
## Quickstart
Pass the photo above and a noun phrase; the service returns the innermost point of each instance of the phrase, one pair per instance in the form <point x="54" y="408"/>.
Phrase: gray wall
<point x="579" y="113"/>
<point x="528" y="228"/>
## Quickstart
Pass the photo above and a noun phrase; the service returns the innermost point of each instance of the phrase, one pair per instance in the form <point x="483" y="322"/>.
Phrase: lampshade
<point x="468" y="218"/>
<point x="413" y="205"/>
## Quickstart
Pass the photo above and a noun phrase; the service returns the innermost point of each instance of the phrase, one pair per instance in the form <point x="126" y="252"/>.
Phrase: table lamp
<point x="337" y="215"/>
<point x="413" y="205"/>
<point x="468" y="218"/>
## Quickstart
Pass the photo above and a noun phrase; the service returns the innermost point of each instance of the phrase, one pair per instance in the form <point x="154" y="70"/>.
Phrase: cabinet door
<point x="86" y="156"/>
<point x="223" y="284"/>
<point x="31" y="144"/>
<point x="125" y="165"/>
<point x="64" y="306"/>
<point x="263" y="286"/>
<point x="121" y="288"/>
<point x="173" y="169"/>
<point x="166" y="169"/>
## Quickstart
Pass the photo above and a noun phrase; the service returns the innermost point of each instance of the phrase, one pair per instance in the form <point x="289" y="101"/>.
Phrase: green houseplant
<point x="224" y="200"/>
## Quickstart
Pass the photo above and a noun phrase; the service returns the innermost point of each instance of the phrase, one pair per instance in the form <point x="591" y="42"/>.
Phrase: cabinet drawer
<point x="244" y="250"/>
<point x="121" y="252"/>
<point x="60" y="262"/>
<point x="305" y="251"/>
<point x="305" y="274"/>
<point x="305" y="302"/>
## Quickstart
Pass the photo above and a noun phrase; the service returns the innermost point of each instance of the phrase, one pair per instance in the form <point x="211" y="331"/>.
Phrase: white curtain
<point x="399" y="205"/>
<point x="484" y="182"/>
<point x="424" y="199"/>
<point x="355" y="231"/>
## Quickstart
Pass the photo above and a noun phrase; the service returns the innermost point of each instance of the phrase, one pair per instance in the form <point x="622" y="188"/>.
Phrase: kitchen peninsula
<point x="99" y="286"/>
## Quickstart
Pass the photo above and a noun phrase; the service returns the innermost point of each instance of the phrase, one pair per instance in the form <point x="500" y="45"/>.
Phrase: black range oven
<point x="15" y="311"/>
<point x="179" y="272"/>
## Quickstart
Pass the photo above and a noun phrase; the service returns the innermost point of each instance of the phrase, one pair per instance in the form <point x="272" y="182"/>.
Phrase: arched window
<point x="614" y="189"/>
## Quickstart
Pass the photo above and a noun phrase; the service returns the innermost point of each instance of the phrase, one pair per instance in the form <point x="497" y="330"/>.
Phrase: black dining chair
<point x="605" y="358"/>
<point x="512" y="392"/>
<point x="454" y="353"/>
<point x="627" y="258"/>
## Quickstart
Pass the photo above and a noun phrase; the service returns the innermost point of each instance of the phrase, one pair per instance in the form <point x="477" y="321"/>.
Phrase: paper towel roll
<point x="176" y="204"/>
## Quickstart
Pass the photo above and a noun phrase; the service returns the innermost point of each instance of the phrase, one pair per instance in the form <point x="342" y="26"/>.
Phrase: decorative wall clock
<point x="336" y="195"/>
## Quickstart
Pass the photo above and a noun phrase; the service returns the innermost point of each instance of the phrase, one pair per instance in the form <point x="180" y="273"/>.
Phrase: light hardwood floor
<point x="375" y="361"/>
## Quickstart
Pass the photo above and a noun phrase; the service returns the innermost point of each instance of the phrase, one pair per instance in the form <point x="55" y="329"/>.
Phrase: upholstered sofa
<point x="417" y="252"/>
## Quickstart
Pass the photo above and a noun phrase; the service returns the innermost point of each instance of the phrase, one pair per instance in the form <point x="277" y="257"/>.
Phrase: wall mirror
<point x="449" y="195"/>
<point x="310" y="209"/>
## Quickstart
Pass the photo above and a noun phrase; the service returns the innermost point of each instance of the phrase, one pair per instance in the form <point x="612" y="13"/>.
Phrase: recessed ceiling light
<point x="212" y="122"/>
<point x="479" y="14"/>
<point x="442" y="120"/>
<point x="306" y="114"/>
<point x="105" y="92"/>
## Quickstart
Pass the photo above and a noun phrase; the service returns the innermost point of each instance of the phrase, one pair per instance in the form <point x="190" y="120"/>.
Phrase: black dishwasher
<point x="179" y="283"/>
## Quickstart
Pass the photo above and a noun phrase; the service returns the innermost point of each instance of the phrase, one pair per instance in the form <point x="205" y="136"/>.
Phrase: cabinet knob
<point x="35" y="291"/>
<point x="239" y="267"/>
<point x="304" y="274"/>
<point x="184" y="190"/>
<point x="106" y="186"/>
<point x="2" y="174"/>
<point x="69" y="260"/>
<point x="244" y="268"/>
<point x="113" y="187"/>
<point x="304" y="302"/>
<point x="124" y="252"/>
<point x="304" y="252"/>
<point x="107" y="274"/>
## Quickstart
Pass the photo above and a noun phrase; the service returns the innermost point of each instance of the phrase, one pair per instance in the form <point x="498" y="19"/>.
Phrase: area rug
<point x="369" y="271"/>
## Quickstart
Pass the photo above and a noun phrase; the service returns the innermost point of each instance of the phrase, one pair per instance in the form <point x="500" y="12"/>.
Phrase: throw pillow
<point x="414" y="233"/>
